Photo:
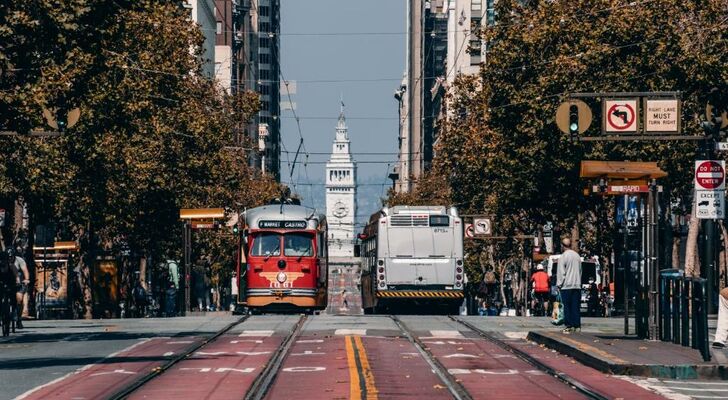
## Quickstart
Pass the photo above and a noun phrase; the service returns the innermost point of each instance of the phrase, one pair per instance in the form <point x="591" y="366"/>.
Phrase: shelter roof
<point x="621" y="170"/>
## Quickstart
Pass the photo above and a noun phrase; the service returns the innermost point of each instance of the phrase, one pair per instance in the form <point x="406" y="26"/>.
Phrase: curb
<point x="679" y="371"/>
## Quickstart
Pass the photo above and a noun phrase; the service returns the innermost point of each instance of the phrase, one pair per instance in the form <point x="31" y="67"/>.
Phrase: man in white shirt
<point x="569" y="283"/>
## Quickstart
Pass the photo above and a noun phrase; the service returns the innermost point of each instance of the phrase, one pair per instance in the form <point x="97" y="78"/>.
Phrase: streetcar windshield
<point x="298" y="244"/>
<point x="266" y="244"/>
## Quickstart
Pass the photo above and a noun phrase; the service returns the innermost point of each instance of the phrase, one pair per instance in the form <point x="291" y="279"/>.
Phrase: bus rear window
<point x="439" y="220"/>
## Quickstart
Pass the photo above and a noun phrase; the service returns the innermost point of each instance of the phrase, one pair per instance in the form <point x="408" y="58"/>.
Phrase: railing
<point x="684" y="317"/>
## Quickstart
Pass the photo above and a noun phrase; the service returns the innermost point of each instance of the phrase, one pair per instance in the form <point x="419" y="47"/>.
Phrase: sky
<point x="343" y="41"/>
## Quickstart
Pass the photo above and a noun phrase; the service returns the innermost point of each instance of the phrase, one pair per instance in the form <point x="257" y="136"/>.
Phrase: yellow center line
<point x="366" y="370"/>
<point x="361" y="378"/>
<point x="354" y="391"/>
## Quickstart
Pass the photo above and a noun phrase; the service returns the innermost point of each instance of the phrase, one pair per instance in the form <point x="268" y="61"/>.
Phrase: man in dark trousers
<point x="569" y="282"/>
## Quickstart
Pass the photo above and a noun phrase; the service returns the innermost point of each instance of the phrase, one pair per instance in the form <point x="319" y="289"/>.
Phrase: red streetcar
<point x="283" y="263"/>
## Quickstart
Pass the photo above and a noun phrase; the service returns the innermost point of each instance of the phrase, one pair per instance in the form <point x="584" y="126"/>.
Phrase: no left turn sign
<point x="620" y="116"/>
<point x="710" y="175"/>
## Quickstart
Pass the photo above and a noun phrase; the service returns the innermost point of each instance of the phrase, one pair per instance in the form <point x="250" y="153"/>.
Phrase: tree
<point x="502" y="153"/>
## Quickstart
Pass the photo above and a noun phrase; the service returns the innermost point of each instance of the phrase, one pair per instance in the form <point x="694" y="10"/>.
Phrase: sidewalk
<point x="627" y="355"/>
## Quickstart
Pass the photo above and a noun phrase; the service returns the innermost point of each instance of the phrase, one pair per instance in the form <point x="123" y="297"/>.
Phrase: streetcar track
<point x="263" y="382"/>
<point x="561" y="376"/>
<point x="155" y="372"/>
<point x="456" y="389"/>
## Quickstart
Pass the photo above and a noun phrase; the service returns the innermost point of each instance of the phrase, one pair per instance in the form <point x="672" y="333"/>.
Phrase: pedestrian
<point x="721" y="331"/>
<point x="172" y="286"/>
<point x="22" y="281"/>
<point x="344" y="300"/>
<point x="234" y="291"/>
<point x="540" y="286"/>
<point x="569" y="283"/>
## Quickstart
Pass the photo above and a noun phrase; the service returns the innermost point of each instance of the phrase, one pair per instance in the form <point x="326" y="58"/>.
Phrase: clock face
<point x="340" y="209"/>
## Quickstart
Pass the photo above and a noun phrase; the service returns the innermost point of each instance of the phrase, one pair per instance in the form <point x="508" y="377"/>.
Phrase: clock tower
<point x="341" y="193"/>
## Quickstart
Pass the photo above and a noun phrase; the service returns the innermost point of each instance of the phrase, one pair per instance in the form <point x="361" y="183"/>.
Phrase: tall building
<point x="341" y="193"/>
<point x="420" y="98"/>
<point x="247" y="58"/>
<point x="202" y="12"/>
<point x="441" y="44"/>
<point x="267" y="19"/>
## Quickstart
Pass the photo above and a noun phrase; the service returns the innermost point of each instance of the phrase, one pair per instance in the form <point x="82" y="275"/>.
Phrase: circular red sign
<point x="623" y="124"/>
<point x="709" y="175"/>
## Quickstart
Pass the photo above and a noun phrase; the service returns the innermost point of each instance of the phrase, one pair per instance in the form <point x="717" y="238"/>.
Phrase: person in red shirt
<point x="540" y="287"/>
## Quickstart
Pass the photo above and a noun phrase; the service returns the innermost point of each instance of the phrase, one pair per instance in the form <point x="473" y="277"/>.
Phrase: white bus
<point x="413" y="256"/>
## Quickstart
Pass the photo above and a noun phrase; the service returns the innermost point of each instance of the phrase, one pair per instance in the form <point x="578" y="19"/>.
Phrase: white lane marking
<point x="446" y="334"/>
<point x="242" y="371"/>
<point x="304" y="369"/>
<point x="245" y="341"/>
<point x="654" y="385"/>
<point x="310" y="341"/>
<point x="534" y="372"/>
<point x="698" y="383"/>
<point x="79" y="370"/>
<point x="697" y="389"/>
<point x="181" y="342"/>
<point x="460" y="355"/>
<point x="169" y="353"/>
<point x="446" y="342"/>
<point x="254" y="333"/>
<point x="116" y="371"/>
<point x="360" y="332"/>
<point x="515" y="335"/>
<point x="459" y="371"/>
<point x="214" y="353"/>
<point x="410" y="354"/>
<point x="252" y="353"/>
<point x="196" y="369"/>
<point x="306" y="353"/>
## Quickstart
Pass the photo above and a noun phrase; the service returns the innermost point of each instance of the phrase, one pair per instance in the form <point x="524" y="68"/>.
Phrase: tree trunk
<point x="501" y="272"/>
<point x="575" y="237"/>
<point x="676" y="239"/>
<point x="143" y="272"/>
<point x="692" y="266"/>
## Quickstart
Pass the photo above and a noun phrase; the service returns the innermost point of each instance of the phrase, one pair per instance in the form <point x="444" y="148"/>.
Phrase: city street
<point x="339" y="357"/>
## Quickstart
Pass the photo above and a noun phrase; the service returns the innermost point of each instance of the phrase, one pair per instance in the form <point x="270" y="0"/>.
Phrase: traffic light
<point x="61" y="120"/>
<point x="236" y="229"/>
<point x="573" y="120"/>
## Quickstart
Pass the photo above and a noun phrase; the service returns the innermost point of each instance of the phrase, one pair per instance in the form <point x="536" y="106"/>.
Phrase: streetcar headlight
<point x="281" y="277"/>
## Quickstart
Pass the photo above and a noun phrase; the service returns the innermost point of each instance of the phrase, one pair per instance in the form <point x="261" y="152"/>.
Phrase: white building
<point x="341" y="194"/>
<point x="203" y="13"/>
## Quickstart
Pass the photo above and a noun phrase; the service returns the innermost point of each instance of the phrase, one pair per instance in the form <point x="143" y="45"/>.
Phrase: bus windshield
<point x="266" y="244"/>
<point x="298" y="244"/>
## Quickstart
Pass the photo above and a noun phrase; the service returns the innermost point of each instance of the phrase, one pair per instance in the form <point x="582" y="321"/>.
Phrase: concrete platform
<point x="628" y="355"/>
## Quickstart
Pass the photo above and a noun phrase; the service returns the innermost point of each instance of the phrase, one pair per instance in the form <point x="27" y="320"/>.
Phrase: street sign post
<point x="482" y="226"/>
<point x="710" y="204"/>
<point x="709" y="175"/>
<point x="662" y="116"/>
<point x="620" y="116"/>
<point x="709" y="189"/>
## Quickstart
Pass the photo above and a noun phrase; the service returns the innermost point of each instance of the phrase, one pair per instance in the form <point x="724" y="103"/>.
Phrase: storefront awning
<point x="621" y="170"/>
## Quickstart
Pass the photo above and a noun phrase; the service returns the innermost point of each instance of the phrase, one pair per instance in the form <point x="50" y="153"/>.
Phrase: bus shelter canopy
<point x="624" y="170"/>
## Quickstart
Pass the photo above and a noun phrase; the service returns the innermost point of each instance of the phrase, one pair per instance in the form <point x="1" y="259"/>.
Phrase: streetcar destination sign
<point x="282" y="224"/>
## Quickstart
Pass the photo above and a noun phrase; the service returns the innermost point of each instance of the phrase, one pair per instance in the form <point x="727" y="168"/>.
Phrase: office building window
<point x="219" y="28"/>
<point x="264" y="11"/>
<point x="490" y="12"/>
<point x="264" y="42"/>
<point x="476" y="5"/>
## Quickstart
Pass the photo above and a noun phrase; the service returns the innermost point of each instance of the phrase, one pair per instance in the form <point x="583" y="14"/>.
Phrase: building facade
<point x="442" y="42"/>
<point x="267" y="19"/>
<point x="247" y="58"/>
<point x="202" y="12"/>
<point x="341" y="193"/>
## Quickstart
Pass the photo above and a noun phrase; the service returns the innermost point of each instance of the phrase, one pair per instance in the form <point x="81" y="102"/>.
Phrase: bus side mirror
<point x="357" y="250"/>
